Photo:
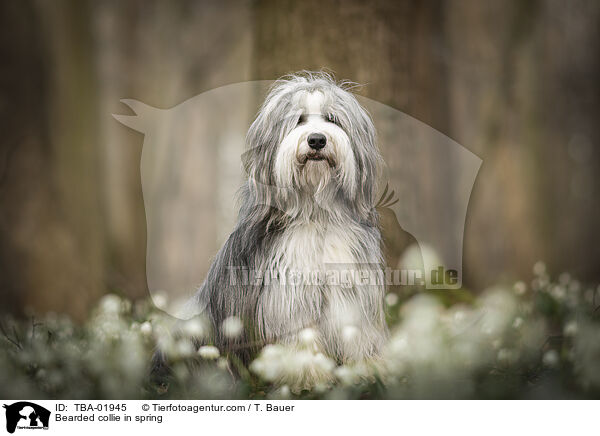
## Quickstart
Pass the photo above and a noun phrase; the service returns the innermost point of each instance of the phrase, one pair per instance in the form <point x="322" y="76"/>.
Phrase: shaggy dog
<point x="305" y="252"/>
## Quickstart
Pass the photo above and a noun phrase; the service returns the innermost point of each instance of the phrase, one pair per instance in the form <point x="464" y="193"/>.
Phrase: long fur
<point x="303" y="214"/>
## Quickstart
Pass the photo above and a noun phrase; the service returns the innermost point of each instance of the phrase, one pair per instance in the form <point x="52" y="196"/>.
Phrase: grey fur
<point x="280" y="225"/>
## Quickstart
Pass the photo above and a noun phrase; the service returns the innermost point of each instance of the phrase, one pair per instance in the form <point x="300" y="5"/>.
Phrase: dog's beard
<point x="316" y="175"/>
<point x="324" y="170"/>
<point x="308" y="171"/>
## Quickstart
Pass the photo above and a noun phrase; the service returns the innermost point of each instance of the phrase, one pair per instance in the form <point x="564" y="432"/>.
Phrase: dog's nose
<point x="317" y="141"/>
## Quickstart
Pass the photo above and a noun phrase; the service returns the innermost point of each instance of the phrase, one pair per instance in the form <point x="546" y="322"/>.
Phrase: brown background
<point x="516" y="82"/>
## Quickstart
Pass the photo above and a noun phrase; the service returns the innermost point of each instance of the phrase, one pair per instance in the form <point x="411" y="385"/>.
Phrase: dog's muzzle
<point x="316" y="141"/>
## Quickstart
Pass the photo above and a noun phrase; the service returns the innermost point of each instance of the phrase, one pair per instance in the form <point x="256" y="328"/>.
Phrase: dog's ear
<point x="368" y="160"/>
<point x="261" y="145"/>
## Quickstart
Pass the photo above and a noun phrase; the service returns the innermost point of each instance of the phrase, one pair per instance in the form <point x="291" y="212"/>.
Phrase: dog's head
<point x="312" y="136"/>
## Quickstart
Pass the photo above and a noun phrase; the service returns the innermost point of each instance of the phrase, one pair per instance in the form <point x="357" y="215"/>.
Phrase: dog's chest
<point x="311" y="247"/>
<point x="301" y="258"/>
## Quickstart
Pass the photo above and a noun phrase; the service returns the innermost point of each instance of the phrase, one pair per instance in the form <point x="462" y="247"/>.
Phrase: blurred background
<point x="515" y="82"/>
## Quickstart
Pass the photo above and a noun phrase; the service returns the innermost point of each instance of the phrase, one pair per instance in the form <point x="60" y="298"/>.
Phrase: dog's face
<point x="312" y="136"/>
<point x="317" y="151"/>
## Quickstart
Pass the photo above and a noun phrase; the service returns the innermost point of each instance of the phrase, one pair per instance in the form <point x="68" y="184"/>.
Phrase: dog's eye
<point x="301" y="120"/>
<point x="332" y="119"/>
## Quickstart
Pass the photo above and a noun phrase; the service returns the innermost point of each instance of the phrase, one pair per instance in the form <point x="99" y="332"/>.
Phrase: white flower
<point x="570" y="328"/>
<point x="558" y="292"/>
<point x="346" y="375"/>
<point x="539" y="268"/>
<point x="520" y="288"/>
<point x="271" y="351"/>
<point x="398" y="344"/>
<point x="232" y="327"/>
<point x="564" y="278"/>
<point x="459" y="316"/>
<point x="321" y="387"/>
<point x="308" y="336"/>
<point x="518" y="322"/>
<point x="323" y="362"/>
<point x="270" y="363"/>
<point x="391" y="299"/>
<point x="498" y="307"/>
<point x="299" y="368"/>
<point x="550" y="358"/>
<point x="209" y="352"/>
<point x="506" y="356"/>
<point x="349" y="333"/>
<point x="184" y="348"/>
<point x="160" y="300"/>
<point x="110" y="304"/>
<point x="193" y="327"/>
<point x="146" y="328"/>
<point x="284" y="391"/>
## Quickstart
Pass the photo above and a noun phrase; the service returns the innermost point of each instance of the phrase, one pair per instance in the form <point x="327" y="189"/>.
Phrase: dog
<point x="307" y="233"/>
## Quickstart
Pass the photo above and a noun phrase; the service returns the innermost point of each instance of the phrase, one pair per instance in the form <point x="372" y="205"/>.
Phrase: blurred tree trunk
<point x="52" y="251"/>
<point x="74" y="162"/>
<point x="73" y="223"/>
<point x="24" y="152"/>
<point x="514" y="82"/>
<point x="525" y="97"/>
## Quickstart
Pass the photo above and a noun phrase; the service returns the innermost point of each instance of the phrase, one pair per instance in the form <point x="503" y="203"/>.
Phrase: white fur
<point x="294" y="146"/>
<point x="301" y="215"/>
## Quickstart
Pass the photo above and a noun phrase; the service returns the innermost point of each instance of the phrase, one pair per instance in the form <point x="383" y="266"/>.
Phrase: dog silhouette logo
<point x="190" y="173"/>
<point x="26" y="415"/>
